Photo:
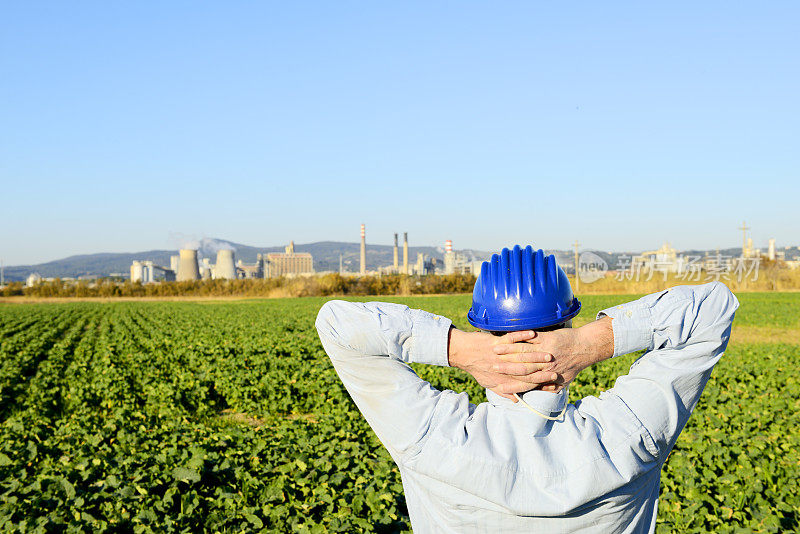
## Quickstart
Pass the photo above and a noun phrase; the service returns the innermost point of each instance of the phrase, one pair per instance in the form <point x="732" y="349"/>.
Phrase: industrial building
<point x="142" y="271"/>
<point x="147" y="272"/>
<point x="363" y="259"/>
<point x="455" y="263"/>
<point x="254" y="270"/>
<point x="292" y="263"/>
<point x="225" y="268"/>
<point x="663" y="260"/>
<point x="405" y="253"/>
<point x="186" y="267"/>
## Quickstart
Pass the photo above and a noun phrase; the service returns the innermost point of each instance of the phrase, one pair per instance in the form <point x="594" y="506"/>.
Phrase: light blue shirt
<point x="496" y="466"/>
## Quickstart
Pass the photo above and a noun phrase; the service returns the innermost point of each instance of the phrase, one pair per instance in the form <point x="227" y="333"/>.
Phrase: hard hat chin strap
<point x="540" y="414"/>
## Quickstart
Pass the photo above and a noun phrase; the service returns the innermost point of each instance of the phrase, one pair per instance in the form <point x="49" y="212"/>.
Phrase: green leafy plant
<point x="185" y="417"/>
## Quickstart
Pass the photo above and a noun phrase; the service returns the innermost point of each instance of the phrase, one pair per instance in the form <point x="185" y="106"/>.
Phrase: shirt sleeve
<point x="370" y="346"/>
<point x="684" y="331"/>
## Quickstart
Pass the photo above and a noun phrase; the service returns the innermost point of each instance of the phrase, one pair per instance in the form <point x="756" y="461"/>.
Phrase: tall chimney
<point x="187" y="266"/>
<point x="225" y="268"/>
<point x="449" y="257"/>
<point x="395" y="253"/>
<point x="771" y="250"/>
<point x="363" y="250"/>
<point x="405" y="252"/>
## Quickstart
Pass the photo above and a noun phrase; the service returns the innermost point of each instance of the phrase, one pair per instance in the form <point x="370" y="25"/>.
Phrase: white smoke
<point x="205" y="246"/>
<point x="211" y="246"/>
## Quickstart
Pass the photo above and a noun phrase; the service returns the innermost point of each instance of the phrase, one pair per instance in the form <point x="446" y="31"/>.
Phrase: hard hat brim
<point x="524" y="323"/>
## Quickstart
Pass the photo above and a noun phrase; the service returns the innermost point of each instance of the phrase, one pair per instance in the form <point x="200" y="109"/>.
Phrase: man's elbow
<point x="347" y="325"/>
<point x="328" y="321"/>
<point x="720" y="306"/>
<point x="724" y="300"/>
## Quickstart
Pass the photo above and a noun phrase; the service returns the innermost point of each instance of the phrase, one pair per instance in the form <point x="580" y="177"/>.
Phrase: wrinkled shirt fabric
<point x="496" y="466"/>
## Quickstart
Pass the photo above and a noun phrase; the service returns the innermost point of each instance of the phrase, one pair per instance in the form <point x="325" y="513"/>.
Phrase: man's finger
<point x="518" y="369"/>
<point x="513" y="386"/>
<point x="539" y="377"/>
<point x="518" y="386"/>
<point x="506" y="395"/>
<point x="526" y="357"/>
<point x="510" y="348"/>
<point x="516" y="337"/>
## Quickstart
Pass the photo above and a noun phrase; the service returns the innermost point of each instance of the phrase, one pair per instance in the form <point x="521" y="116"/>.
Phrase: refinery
<point x="188" y="266"/>
<point x="194" y="262"/>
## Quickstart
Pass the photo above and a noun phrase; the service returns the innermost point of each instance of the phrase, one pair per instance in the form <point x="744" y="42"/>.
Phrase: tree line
<point x="312" y="286"/>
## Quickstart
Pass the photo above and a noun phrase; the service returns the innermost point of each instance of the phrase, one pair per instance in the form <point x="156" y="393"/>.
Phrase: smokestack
<point x="187" y="266"/>
<point x="225" y="267"/>
<point x="405" y="252"/>
<point x="771" y="250"/>
<point x="395" y="253"/>
<point x="363" y="250"/>
<point x="449" y="257"/>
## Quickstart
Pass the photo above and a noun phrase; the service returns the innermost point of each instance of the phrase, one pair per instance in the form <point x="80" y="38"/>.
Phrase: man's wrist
<point x="455" y="344"/>
<point x="597" y="340"/>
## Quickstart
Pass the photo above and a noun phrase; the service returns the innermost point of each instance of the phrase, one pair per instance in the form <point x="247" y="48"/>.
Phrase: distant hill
<point x="325" y="253"/>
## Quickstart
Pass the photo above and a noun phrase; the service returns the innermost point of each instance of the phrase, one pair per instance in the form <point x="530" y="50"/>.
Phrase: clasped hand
<point x="526" y="360"/>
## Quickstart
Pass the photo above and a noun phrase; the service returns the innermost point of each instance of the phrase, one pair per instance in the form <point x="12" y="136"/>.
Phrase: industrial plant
<point x="188" y="266"/>
<point x="454" y="263"/>
<point x="217" y="260"/>
<point x="185" y="267"/>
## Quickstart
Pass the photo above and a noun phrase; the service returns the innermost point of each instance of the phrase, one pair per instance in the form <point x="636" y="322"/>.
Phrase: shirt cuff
<point x="429" y="333"/>
<point x="632" y="325"/>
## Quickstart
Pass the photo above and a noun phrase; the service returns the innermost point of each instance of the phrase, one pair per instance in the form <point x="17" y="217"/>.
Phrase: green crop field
<point x="227" y="416"/>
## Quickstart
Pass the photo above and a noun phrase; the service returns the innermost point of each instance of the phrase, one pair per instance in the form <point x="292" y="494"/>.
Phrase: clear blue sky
<point x="488" y="123"/>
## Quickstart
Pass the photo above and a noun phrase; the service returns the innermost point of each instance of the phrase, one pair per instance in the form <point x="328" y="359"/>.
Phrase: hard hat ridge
<point x="519" y="289"/>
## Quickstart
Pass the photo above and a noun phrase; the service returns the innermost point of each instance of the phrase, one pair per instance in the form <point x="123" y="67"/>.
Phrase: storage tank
<point x="226" y="266"/>
<point x="187" y="267"/>
<point x="137" y="271"/>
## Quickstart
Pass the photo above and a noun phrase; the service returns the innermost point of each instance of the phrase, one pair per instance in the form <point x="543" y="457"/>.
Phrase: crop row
<point x="228" y="416"/>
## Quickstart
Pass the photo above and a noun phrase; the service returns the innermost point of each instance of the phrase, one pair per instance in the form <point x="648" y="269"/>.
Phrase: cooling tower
<point x="225" y="267"/>
<point x="405" y="252"/>
<point x="187" y="267"/>
<point x="363" y="250"/>
<point x="395" y="253"/>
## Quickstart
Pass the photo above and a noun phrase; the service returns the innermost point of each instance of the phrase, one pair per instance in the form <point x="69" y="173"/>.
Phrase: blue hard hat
<point x="520" y="289"/>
